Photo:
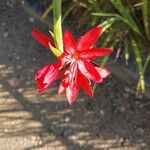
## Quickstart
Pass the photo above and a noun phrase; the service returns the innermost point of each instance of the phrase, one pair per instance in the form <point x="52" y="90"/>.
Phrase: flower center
<point x="76" y="55"/>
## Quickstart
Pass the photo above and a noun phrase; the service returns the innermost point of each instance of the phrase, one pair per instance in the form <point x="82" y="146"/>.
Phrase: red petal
<point x="40" y="85"/>
<point x="72" y="94"/>
<point x="41" y="38"/>
<point x="62" y="73"/>
<point x="41" y="72"/>
<point x="63" y="85"/>
<point x="89" y="39"/>
<point x="61" y="88"/>
<point x="73" y="75"/>
<point x="51" y="74"/>
<point x="103" y="72"/>
<point x="89" y="71"/>
<point x="69" y="42"/>
<point x="63" y="60"/>
<point x="85" y="85"/>
<point x="95" y="52"/>
<point x="45" y="77"/>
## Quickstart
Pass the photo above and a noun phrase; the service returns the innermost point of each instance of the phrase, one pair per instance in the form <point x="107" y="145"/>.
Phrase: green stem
<point x="138" y="58"/>
<point x="57" y="24"/>
<point x="126" y="55"/>
<point x="144" y="69"/>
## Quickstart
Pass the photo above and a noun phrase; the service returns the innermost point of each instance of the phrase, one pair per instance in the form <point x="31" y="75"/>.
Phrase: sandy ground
<point x="116" y="118"/>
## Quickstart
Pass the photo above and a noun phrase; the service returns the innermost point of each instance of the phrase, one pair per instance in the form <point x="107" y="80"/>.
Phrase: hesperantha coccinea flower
<point x="75" y="66"/>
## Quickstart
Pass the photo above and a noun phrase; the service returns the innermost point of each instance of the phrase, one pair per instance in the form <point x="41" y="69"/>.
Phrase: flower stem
<point x="57" y="24"/>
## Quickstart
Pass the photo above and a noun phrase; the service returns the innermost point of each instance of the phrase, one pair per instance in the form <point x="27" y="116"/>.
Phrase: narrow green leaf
<point x="108" y="23"/>
<point x="68" y="11"/>
<point x="46" y="12"/>
<point x="106" y="14"/>
<point x="146" y="18"/>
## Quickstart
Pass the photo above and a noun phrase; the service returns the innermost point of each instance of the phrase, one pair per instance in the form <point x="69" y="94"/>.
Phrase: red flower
<point x="81" y="70"/>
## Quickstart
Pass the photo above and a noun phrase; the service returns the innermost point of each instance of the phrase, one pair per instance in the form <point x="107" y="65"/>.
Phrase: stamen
<point x="76" y="55"/>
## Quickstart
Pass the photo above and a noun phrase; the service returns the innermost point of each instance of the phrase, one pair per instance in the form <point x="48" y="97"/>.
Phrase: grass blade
<point x="126" y="17"/>
<point x="106" y="14"/>
<point x="46" y="12"/>
<point x="69" y="10"/>
<point x="108" y="23"/>
<point x="146" y="18"/>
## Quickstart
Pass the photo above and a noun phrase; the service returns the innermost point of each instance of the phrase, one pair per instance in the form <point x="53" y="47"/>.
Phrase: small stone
<point x="40" y="142"/>
<point x="20" y="90"/>
<point x="138" y="95"/>
<point x="122" y="109"/>
<point x="37" y="138"/>
<point x="67" y="119"/>
<point x="33" y="138"/>
<point x="5" y="34"/>
<point x="17" y="57"/>
<point x="5" y="130"/>
<point x="62" y="119"/>
<point x="31" y="19"/>
<point x="9" y="4"/>
<point x="120" y="140"/>
<point x="140" y="131"/>
<point x="3" y="24"/>
<point x="67" y="132"/>
<point x="72" y="137"/>
<point x="36" y="144"/>
<point x="137" y="103"/>
<point x="34" y="59"/>
<point x="127" y="142"/>
<point x="82" y="142"/>
<point x="141" y="105"/>
<point x="132" y="91"/>
<point x="115" y="110"/>
<point x="111" y="95"/>
<point x="54" y="122"/>
<point x="22" y="2"/>
<point x="127" y="89"/>
<point x="125" y="95"/>
<point x="102" y="112"/>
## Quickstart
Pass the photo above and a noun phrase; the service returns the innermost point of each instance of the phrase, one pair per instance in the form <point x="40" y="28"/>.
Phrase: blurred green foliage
<point x="2" y="2"/>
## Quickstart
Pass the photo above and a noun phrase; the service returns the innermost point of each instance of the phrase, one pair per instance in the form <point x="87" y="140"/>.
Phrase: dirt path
<point x="115" y="120"/>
